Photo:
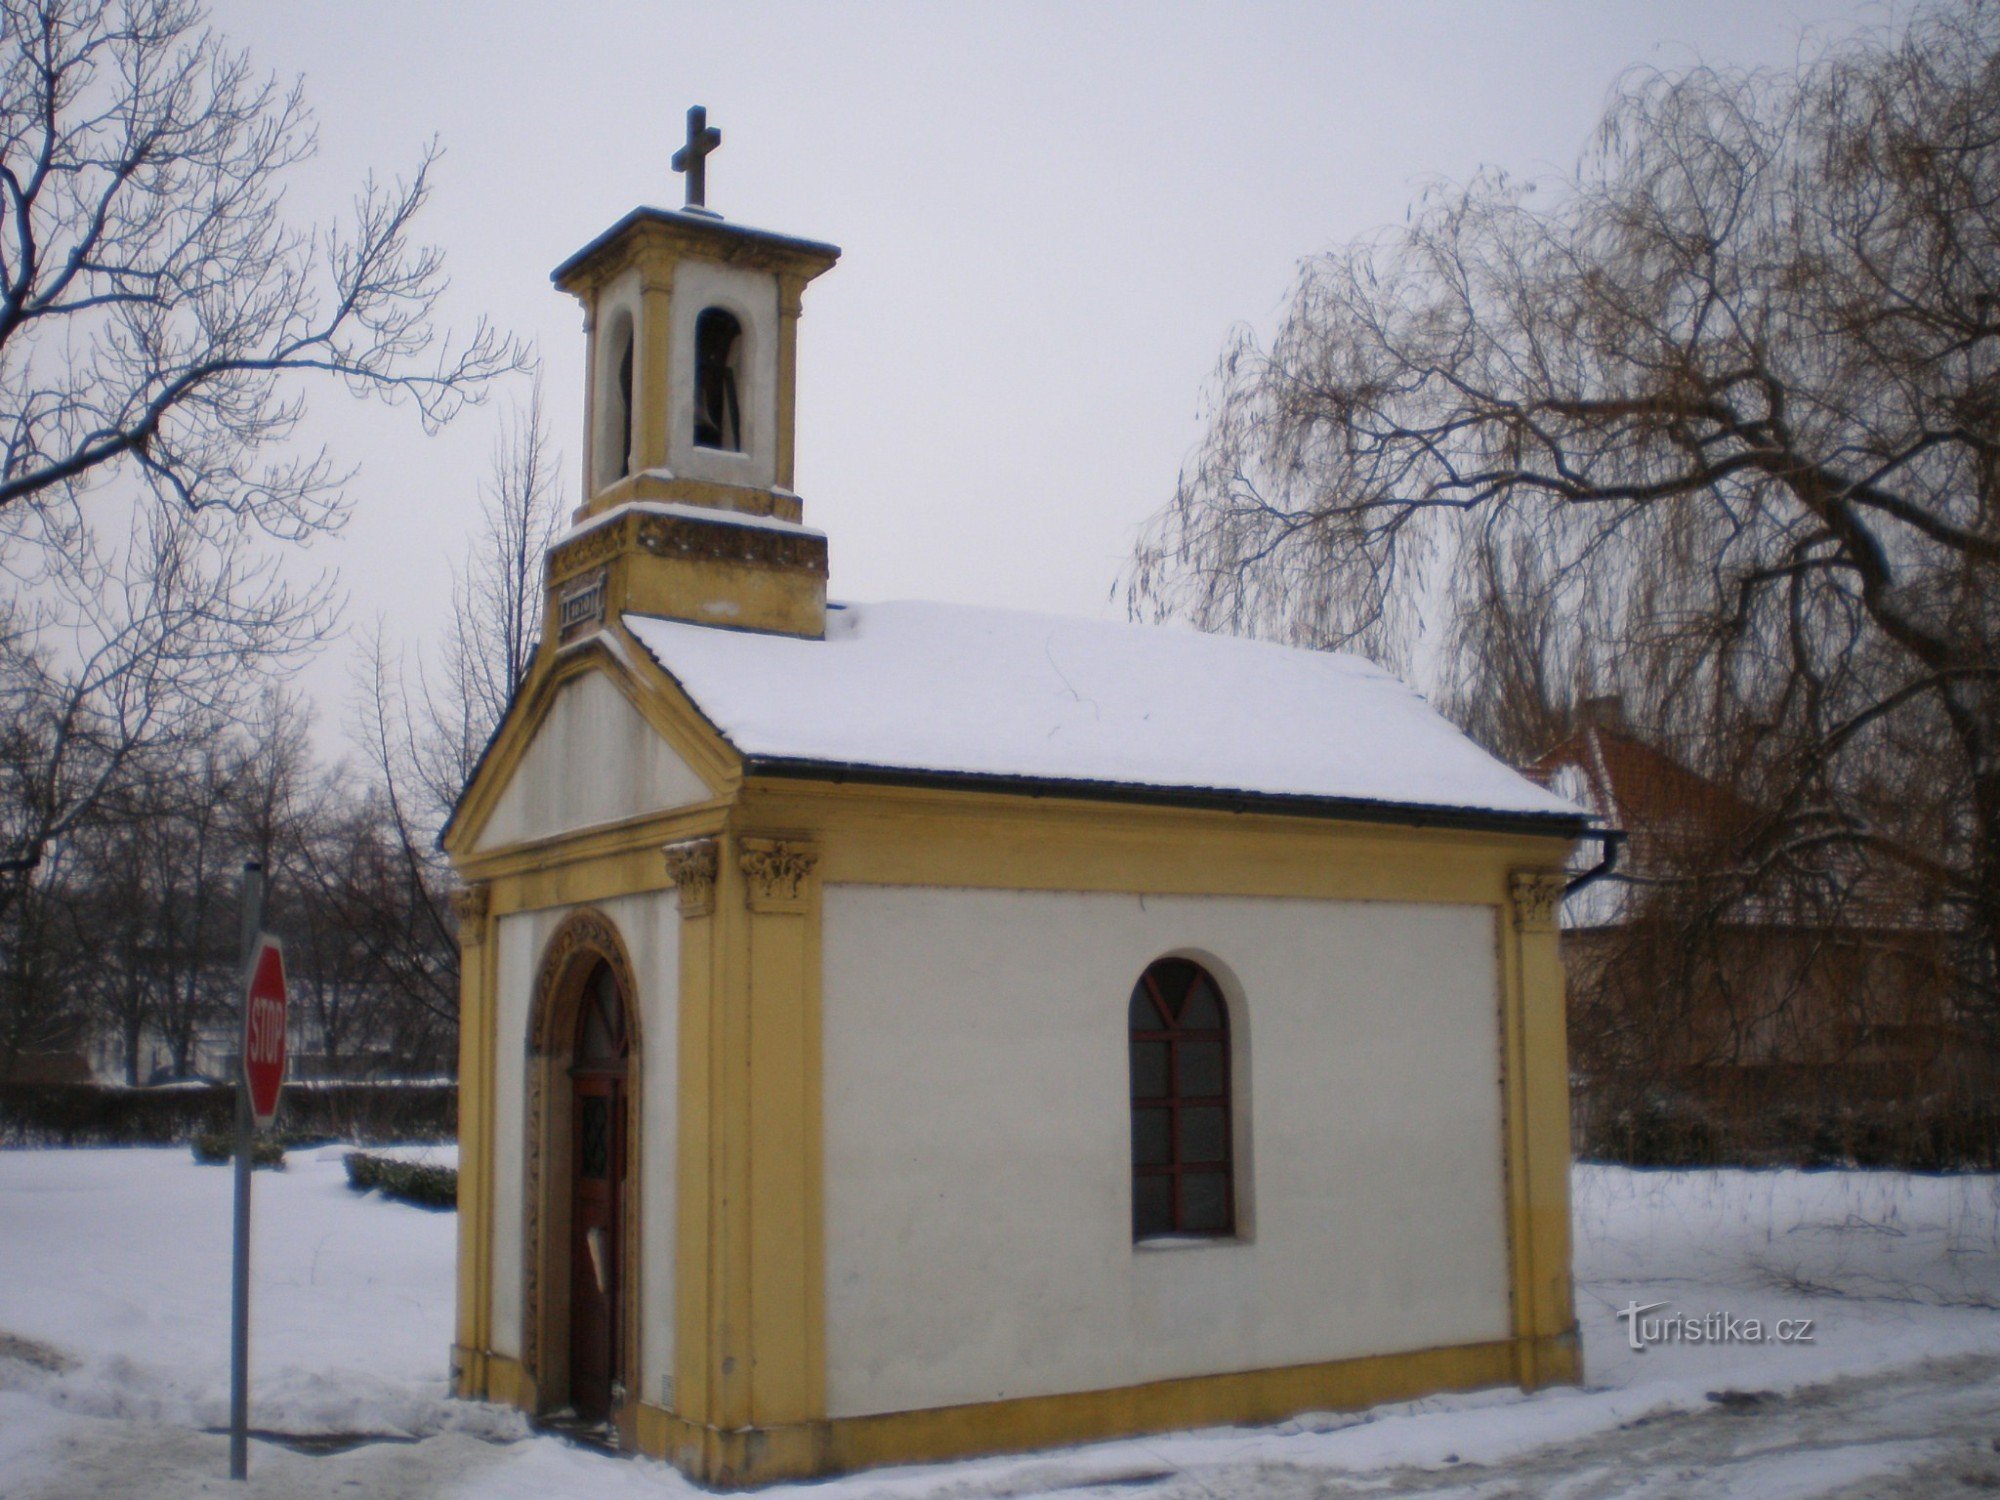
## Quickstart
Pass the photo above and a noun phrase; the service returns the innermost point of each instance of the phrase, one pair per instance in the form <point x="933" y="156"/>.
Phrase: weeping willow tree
<point x="1713" y="422"/>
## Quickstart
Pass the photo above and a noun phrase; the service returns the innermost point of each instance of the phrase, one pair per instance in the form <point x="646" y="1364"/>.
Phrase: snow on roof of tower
<point x="921" y="691"/>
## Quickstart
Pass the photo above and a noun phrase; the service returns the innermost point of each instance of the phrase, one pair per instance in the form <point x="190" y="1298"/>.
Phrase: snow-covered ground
<point x="114" y="1355"/>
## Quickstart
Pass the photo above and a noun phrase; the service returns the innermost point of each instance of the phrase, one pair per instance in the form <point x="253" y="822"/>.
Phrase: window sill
<point x="1187" y="1242"/>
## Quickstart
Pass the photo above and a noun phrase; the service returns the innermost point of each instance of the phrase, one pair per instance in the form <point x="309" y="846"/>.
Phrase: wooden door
<point x="597" y="1190"/>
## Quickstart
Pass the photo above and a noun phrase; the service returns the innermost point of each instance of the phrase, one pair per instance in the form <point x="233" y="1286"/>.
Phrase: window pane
<point x="1205" y="1202"/>
<point x="1203" y="1011"/>
<point x="594" y="1139"/>
<point x="1152" y="1206"/>
<point x="1201" y="1070"/>
<point x="1204" y="1134"/>
<point x="1173" y="975"/>
<point x="1152" y="1140"/>
<point x="1142" y="1014"/>
<point x="1149" y="1070"/>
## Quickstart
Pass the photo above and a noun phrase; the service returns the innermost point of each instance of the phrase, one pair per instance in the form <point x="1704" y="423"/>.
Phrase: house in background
<point x="1704" y="980"/>
<point x="60" y="1052"/>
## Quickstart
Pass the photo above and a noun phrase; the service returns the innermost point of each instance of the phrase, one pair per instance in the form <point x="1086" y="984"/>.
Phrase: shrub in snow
<point x="423" y="1183"/>
<point x="214" y="1148"/>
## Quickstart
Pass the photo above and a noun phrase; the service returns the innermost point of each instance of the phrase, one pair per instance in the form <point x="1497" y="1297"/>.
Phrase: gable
<point x="593" y="759"/>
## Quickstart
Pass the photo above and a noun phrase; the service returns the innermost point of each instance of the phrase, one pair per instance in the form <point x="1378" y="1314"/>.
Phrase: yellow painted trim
<point x="695" y="1189"/>
<point x="875" y="835"/>
<point x="1538" y="1110"/>
<point x="507" y="1382"/>
<point x="783" y="1270"/>
<point x="749" y="1348"/>
<point x="743" y="499"/>
<point x="791" y="300"/>
<point x="598" y="842"/>
<point x="652" y="393"/>
<point x="729" y="1458"/>
<point x="1514" y="1135"/>
<point x="742" y="596"/>
<point x="634" y="872"/>
<point x="650" y="692"/>
<point x="590" y="378"/>
<point x="727" y="1212"/>
<point x="475" y="1134"/>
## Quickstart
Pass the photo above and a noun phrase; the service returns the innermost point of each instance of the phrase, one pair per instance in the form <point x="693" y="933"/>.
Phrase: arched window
<point x="718" y="415"/>
<point x="1182" y="1181"/>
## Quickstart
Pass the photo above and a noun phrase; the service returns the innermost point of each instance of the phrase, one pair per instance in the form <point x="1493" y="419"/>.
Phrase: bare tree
<point x="1728" y="397"/>
<point x="158" y="312"/>
<point x="153" y="295"/>
<point x="115" y="656"/>
<point x="496" y="621"/>
<point x="161" y="318"/>
<point x="378" y="868"/>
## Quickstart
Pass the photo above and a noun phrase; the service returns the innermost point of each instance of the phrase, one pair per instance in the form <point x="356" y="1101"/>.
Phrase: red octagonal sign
<point x="264" y="1029"/>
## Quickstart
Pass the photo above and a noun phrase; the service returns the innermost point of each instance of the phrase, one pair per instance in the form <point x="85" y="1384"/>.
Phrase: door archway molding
<point x="585" y="937"/>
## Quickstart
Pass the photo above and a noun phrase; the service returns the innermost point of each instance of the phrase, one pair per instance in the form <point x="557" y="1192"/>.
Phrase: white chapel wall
<point x="650" y="926"/>
<point x="594" y="760"/>
<point x="978" y="1218"/>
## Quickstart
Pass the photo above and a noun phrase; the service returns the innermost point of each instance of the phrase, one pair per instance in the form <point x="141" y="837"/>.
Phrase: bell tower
<point x="688" y="512"/>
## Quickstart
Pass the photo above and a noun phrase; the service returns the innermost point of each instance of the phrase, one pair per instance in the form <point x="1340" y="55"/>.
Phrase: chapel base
<point x="750" y="1456"/>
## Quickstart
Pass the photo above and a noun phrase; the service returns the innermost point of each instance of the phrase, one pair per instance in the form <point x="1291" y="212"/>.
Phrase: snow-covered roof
<point x="939" y="690"/>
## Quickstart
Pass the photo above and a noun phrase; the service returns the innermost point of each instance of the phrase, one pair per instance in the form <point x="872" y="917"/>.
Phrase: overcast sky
<point x="1051" y="216"/>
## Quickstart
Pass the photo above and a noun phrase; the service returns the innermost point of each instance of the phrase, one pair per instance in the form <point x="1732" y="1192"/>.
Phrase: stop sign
<point x="264" y="1029"/>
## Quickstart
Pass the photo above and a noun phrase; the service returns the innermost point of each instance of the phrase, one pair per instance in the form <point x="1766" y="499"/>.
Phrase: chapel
<point x="893" y="1032"/>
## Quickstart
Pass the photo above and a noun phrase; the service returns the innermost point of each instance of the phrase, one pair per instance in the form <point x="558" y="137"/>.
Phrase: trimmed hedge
<point x="217" y="1148"/>
<point x="1678" y="1131"/>
<point x="425" y="1184"/>
<point x="95" y="1114"/>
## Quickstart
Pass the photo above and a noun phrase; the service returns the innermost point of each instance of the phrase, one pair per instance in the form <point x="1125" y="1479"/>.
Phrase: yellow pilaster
<point x="652" y="389"/>
<point x="589" y="484"/>
<point x="780" y="895"/>
<point x="791" y="299"/>
<point x="692" y="865"/>
<point x="1537" y="1071"/>
<point x="472" y="1324"/>
<point x="749" y="1378"/>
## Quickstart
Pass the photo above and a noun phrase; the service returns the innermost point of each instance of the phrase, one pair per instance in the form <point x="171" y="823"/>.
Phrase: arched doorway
<point x="584" y="1165"/>
<point x="599" y="1132"/>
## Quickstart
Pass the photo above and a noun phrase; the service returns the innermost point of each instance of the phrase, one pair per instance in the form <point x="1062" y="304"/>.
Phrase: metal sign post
<point x="239" y="1303"/>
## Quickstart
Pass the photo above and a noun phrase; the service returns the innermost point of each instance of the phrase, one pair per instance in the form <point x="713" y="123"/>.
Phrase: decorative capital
<point x="778" y="872"/>
<point x="470" y="906"/>
<point x="691" y="866"/>
<point x="1537" y="896"/>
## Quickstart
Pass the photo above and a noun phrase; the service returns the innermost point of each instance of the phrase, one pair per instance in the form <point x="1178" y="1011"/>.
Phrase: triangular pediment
<point x="578" y="752"/>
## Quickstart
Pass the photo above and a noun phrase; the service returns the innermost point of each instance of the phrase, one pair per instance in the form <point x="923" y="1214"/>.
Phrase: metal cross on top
<point x="693" y="157"/>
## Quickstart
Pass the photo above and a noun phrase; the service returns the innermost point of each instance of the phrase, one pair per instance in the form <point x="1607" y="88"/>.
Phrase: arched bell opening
<point x="718" y="380"/>
<point x="613" y="438"/>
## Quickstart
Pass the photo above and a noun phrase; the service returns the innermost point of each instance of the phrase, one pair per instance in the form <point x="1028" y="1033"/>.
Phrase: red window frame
<point x="1180" y="1081"/>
